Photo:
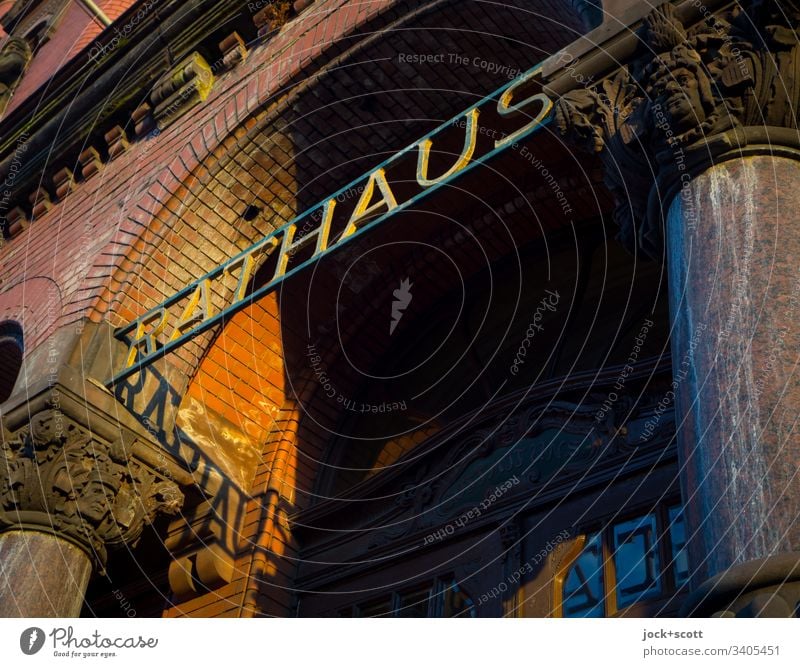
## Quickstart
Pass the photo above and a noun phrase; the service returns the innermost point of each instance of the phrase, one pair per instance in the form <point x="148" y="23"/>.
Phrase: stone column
<point x="67" y="495"/>
<point x="699" y="137"/>
<point x="41" y="575"/>
<point x="734" y="244"/>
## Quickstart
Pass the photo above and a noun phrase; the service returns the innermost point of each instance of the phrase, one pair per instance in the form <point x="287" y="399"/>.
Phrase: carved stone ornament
<point x="690" y="96"/>
<point x="14" y="56"/>
<point x="55" y="476"/>
<point x="181" y="88"/>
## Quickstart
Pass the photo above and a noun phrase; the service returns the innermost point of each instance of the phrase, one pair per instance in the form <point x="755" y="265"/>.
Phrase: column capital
<point x="59" y="477"/>
<point x="727" y="85"/>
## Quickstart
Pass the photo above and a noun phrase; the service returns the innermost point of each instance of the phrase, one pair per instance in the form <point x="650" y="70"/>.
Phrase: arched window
<point x="11" y="349"/>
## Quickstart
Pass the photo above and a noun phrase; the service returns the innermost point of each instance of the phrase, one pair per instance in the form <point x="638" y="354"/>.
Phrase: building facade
<point x="399" y="308"/>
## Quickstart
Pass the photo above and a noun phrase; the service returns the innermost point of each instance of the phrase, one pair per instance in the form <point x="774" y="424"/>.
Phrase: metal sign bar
<point x="376" y="204"/>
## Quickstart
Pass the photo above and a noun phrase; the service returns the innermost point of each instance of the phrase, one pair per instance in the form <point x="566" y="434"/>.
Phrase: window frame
<point x="436" y="587"/>
<point x="666" y="574"/>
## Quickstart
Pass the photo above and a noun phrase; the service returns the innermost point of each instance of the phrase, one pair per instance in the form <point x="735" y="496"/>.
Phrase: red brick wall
<point x="113" y="9"/>
<point x="107" y="243"/>
<point x="166" y="211"/>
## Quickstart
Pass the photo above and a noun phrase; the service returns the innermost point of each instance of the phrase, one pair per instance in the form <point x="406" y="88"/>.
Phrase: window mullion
<point x="609" y="571"/>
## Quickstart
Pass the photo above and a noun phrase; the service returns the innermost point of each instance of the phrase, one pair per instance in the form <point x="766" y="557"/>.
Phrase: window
<point x="630" y="561"/>
<point x="677" y="538"/>
<point x="441" y="598"/>
<point x="583" y="587"/>
<point x="636" y="562"/>
<point x="11" y="350"/>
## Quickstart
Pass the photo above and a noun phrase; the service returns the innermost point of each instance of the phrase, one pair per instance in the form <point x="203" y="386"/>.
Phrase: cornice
<point x="16" y="14"/>
<point x="680" y="89"/>
<point x="103" y="84"/>
<point x="608" y="48"/>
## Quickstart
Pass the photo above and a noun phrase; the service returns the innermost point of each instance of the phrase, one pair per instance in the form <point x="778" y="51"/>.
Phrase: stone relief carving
<point x="58" y="477"/>
<point x="179" y="89"/>
<point x="14" y="57"/>
<point x="534" y="448"/>
<point x="666" y="113"/>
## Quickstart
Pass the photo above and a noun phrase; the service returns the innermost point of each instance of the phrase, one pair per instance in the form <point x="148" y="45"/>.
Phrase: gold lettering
<point x="247" y="264"/>
<point x="505" y="108"/>
<point x="289" y="246"/>
<point x="145" y="338"/>
<point x="197" y="310"/>
<point x="470" y="141"/>
<point x="364" y="210"/>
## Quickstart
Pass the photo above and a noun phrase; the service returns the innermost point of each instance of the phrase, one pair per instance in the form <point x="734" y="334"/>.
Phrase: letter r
<point x="156" y="321"/>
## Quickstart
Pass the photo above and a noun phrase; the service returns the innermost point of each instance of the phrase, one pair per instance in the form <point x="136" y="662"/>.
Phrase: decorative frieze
<point x="90" y="162"/>
<point x="14" y="57"/>
<point x="117" y="141"/>
<point x="234" y="51"/>
<point x="180" y="89"/>
<point x="64" y="181"/>
<point x="142" y="118"/>
<point x="40" y="202"/>
<point x="272" y="17"/>
<point x="689" y="96"/>
<point x="16" y="220"/>
<point x="60" y="478"/>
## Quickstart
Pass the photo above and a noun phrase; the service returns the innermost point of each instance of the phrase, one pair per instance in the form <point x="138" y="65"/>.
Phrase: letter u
<point x="470" y="140"/>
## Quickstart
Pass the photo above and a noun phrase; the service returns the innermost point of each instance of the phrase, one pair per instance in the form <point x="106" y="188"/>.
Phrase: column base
<point x="765" y="587"/>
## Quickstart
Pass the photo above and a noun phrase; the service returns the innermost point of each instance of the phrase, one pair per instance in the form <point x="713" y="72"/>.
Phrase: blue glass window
<point x="644" y="558"/>
<point x="677" y="540"/>
<point x="636" y="561"/>
<point x="583" y="586"/>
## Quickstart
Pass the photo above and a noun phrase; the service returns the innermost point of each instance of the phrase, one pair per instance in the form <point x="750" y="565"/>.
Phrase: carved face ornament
<point x="681" y="93"/>
<point x="679" y="96"/>
<point x="95" y="498"/>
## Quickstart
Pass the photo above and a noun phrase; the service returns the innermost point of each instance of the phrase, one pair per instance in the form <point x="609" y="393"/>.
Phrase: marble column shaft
<point x="41" y="575"/>
<point x="733" y="245"/>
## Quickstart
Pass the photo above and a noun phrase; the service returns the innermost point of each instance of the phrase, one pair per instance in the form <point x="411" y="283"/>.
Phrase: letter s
<point x="506" y="108"/>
